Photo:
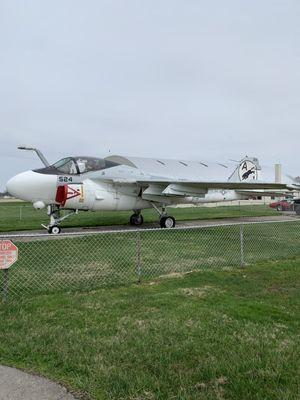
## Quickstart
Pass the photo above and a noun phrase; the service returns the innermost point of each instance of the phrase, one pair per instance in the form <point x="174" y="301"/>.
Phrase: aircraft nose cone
<point x="17" y="185"/>
<point x="32" y="186"/>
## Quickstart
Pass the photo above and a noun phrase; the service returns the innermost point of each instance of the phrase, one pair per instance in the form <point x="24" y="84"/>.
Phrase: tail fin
<point x="295" y="182"/>
<point x="247" y="170"/>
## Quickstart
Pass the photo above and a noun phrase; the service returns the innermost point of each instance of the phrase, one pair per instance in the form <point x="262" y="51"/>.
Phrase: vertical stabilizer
<point x="247" y="170"/>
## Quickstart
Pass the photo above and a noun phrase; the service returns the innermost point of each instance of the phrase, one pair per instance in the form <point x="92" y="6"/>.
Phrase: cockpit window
<point x="88" y="164"/>
<point x="66" y="166"/>
<point x="77" y="165"/>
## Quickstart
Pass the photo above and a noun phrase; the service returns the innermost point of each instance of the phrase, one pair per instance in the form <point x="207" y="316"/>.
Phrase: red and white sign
<point x="8" y="254"/>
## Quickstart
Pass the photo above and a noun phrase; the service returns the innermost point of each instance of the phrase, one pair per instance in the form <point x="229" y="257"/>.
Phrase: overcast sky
<point x="189" y="79"/>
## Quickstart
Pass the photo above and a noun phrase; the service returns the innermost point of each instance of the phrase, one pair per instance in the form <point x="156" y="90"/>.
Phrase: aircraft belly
<point x="128" y="198"/>
<point x="132" y="203"/>
<point x="103" y="196"/>
<point x="112" y="197"/>
<point x="211" y="197"/>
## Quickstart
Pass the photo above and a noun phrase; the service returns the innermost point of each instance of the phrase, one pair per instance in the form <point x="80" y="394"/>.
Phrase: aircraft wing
<point x="169" y="187"/>
<point x="263" y="192"/>
<point x="191" y="188"/>
<point x="160" y="177"/>
<point x="217" y="185"/>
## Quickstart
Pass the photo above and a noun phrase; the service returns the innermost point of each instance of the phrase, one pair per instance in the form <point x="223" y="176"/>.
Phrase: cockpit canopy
<point x="77" y="166"/>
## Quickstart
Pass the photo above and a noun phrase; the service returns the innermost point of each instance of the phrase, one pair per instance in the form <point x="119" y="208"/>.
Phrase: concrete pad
<point x="18" y="385"/>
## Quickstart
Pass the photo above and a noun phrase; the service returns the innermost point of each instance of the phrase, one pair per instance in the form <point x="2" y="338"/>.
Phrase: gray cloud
<point x="193" y="79"/>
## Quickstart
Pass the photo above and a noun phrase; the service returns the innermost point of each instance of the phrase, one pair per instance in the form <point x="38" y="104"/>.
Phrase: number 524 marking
<point x="65" y="179"/>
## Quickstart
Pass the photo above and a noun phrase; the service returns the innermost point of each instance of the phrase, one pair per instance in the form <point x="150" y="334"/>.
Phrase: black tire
<point x="167" y="222"/>
<point x="136" y="220"/>
<point x="54" y="230"/>
<point x="279" y="207"/>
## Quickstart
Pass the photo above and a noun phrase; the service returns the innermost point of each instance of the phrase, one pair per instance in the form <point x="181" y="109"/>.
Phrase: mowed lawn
<point x="204" y="335"/>
<point x="22" y="216"/>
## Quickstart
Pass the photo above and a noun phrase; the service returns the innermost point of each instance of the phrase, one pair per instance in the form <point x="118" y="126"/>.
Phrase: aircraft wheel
<point x="136" y="219"/>
<point x="54" y="230"/>
<point x="167" y="222"/>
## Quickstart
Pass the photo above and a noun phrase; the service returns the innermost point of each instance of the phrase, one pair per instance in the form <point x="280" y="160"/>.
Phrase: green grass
<point x="213" y="332"/>
<point x="205" y="335"/>
<point x="22" y="216"/>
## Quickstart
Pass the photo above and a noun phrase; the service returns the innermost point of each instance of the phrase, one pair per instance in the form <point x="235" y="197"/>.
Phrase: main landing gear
<point x="165" y="220"/>
<point x="136" y="219"/>
<point x="56" y="219"/>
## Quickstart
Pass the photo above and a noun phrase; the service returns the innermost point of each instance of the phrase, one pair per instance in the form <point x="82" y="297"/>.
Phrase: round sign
<point x="8" y="254"/>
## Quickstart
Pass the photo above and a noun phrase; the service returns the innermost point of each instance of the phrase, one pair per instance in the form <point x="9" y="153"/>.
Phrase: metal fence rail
<point x="87" y="261"/>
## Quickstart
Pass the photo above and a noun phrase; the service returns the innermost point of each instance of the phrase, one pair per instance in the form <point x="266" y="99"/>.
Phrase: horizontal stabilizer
<point x="295" y="184"/>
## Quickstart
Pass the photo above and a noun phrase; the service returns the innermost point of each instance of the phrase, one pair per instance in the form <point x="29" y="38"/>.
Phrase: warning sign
<point x="8" y="254"/>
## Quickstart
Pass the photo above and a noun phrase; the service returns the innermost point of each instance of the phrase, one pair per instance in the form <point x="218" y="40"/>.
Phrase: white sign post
<point x="8" y="256"/>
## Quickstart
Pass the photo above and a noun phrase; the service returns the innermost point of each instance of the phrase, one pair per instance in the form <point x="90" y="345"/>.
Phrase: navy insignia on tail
<point x="248" y="171"/>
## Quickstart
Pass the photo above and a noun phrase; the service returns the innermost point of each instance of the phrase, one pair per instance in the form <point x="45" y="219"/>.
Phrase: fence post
<point x="242" y="254"/>
<point x="138" y="256"/>
<point x="5" y="285"/>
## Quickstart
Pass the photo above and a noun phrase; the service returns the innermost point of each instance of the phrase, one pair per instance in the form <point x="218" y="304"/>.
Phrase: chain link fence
<point x="86" y="261"/>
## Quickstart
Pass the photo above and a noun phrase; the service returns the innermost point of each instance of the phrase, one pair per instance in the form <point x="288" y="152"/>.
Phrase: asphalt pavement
<point x="154" y="225"/>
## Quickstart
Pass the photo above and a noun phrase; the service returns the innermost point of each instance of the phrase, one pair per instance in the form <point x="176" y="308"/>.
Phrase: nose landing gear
<point x="55" y="219"/>
<point x="54" y="230"/>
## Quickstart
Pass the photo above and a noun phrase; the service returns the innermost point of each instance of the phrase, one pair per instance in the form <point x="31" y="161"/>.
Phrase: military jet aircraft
<point x="132" y="183"/>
